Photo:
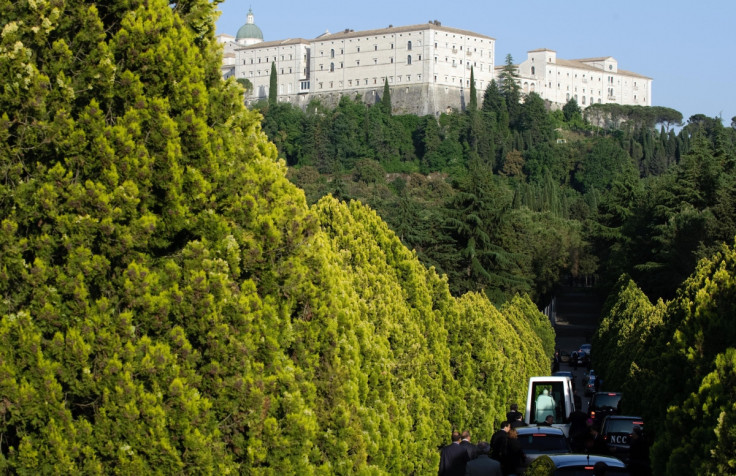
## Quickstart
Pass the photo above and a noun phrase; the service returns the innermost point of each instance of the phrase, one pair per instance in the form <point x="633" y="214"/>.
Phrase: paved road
<point x="577" y="314"/>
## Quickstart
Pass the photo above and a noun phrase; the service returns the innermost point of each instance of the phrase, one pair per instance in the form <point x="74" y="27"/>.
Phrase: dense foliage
<point x="506" y="200"/>
<point x="511" y="198"/>
<point x="171" y="304"/>
<point x="675" y="362"/>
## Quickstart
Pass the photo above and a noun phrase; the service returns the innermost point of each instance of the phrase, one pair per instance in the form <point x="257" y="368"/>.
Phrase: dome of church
<point x="250" y="30"/>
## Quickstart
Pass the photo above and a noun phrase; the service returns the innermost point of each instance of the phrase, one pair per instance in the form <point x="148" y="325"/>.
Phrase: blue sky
<point x="687" y="48"/>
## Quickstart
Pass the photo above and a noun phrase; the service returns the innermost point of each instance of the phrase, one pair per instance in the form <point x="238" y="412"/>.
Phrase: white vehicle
<point x="550" y="396"/>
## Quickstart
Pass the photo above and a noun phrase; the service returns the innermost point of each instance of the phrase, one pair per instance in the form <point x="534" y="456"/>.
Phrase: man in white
<point x="545" y="406"/>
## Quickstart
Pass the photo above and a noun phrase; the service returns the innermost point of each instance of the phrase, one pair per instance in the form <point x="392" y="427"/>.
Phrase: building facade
<point x="428" y="66"/>
<point x="588" y="81"/>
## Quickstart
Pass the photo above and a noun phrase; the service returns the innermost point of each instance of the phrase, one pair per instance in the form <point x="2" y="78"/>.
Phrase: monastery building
<point x="428" y="68"/>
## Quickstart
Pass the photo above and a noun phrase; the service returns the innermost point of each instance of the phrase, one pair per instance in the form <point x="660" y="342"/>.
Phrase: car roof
<point x="624" y="417"/>
<point x="619" y="394"/>
<point x="547" y="430"/>
<point x="576" y="459"/>
<point x="549" y="378"/>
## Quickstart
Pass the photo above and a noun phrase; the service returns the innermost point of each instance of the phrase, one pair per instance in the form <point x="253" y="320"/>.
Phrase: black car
<point x="582" y="464"/>
<point x="536" y="441"/>
<point x="616" y="432"/>
<point x="603" y="404"/>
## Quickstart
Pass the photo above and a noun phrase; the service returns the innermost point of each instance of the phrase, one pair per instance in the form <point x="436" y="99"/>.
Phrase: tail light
<point x="592" y="415"/>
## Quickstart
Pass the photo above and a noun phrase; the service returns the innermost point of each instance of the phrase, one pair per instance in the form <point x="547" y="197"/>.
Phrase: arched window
<point x="533" y="71"/>
<point x="332" y="67"/>
<point x="408" y="46"/>
<point x="408" y="59"/>
<point x="332" y="53"/>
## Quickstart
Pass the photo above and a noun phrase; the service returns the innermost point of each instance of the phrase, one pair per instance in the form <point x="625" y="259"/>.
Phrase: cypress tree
<point x="273" y="86"/>
<point x="473" y="104"/>
<point x="386" y="99"/>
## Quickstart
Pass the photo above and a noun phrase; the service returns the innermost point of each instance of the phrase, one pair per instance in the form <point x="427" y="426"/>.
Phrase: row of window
<point x="266" y="72"/>
<point x="266" y="59"/>
<point x="333" y="51"/>
<point x="399" y="78"/>
<point x="585" y="80"/>
<point x="375" y="61"/>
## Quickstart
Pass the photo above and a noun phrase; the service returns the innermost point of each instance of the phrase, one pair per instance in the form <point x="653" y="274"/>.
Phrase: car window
<point x="543" y="443"/>
<point x="551" y="401"/>
<point x="606" y="400"/>
<point x="621" y="426"/>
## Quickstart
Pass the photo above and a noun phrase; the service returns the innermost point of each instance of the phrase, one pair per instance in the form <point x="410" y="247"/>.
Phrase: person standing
<point x="638" y="454"/>
<point x="596" y="445"/>
<point x="453" y="458"/>
<point x="468" y="445"/>
<point x="545" y="405"/>
<point x="578" y="430"/>
<point x="483" y="465"/>
<point x="499" y="441"/>
<point x="515" y="457"/>
<point x="514" y="415"/>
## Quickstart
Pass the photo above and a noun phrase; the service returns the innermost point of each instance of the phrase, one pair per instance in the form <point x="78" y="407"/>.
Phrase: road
<point x="576" y="320"/>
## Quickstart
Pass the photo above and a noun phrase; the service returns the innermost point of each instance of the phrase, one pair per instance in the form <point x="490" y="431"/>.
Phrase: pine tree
<point x="510" y="89"/>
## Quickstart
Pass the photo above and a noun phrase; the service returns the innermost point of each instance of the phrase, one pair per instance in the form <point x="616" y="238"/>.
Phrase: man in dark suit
<point x="514" y="416"/>
<point x="483" y="465"/>
<point x="469" y="447"/>
<point x="499" y="441"/>
<point x="453" y="457"/>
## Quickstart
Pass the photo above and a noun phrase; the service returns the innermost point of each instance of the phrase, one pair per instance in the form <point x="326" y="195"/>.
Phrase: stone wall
<point x="419" y="99"/>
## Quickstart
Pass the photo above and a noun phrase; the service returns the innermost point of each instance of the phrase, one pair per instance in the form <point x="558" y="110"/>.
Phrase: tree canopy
<point x="172" y="304"/>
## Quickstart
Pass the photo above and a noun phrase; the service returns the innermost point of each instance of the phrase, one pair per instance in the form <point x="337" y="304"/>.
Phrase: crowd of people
<point x="499" y="457"/>
<point x="503" y="455"/>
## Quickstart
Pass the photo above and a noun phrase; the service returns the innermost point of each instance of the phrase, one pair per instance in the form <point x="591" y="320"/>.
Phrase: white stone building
<point x="588" y="81"/>
<point x="428" y="66"/>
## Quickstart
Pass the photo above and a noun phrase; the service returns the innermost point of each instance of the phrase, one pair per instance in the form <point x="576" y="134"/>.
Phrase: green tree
<point x="273" y="86"/>
<point x="571" y="111"/>
<point x="606" y="163"/>
<point x="170" y="304"/>
<point x="247" y="85"/>
<point x="473" y="104"/>
<point x="386" y="98"/>
<point x="510" y="89"/>
<point x="534" y="121"/>
<point x="477" y="222"/>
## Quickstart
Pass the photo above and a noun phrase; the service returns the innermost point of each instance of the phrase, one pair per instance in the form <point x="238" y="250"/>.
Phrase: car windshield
<point x="543" y="443"/>
<point x="621" y="425"/>
<point x="606" y="401"/>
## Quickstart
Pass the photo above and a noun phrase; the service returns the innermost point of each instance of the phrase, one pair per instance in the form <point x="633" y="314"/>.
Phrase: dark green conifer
<point x="386" y="98"/>
<point x="273" y="86"/>
<point x="473" y="103"/>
